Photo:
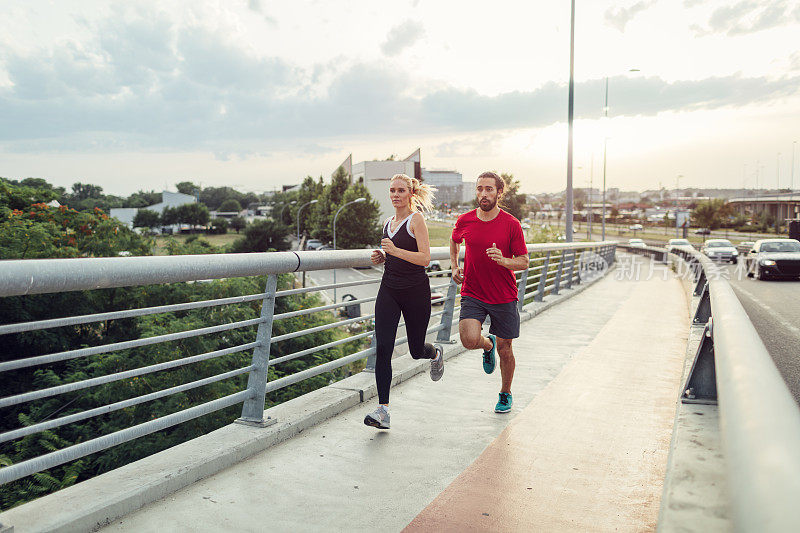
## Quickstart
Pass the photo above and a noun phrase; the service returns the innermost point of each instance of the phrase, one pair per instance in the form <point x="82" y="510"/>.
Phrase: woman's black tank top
<point x="399" y="273"/>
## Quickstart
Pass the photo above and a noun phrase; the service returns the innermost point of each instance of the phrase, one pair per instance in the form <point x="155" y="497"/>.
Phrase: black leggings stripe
<point x="415" y="305"/>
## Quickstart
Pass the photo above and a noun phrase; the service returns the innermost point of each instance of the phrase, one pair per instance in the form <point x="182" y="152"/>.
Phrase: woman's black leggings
<point x="415" y="304"/>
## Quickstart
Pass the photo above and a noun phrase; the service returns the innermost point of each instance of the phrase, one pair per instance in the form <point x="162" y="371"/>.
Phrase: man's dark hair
<point x="499" y="183"/>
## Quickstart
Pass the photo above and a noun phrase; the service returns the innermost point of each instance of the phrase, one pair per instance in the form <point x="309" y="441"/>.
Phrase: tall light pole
<point x="357" y="200"/>
<point x="570" y="113"/>
<point x="778" y="194"/>
<point x="298" y="219"/>
<point x="298" y="233"/>
<point x="791" y="186"/>
<point x="605" y="149"/>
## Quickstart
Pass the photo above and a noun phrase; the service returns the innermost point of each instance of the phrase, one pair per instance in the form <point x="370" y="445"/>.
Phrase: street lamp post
<point x="570" y="112"/>
<point x="357" y="200"/>
<point x="298" y="232"/>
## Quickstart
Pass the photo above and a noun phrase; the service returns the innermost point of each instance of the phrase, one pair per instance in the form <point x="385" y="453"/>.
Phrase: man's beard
<point x="487" y="206"/>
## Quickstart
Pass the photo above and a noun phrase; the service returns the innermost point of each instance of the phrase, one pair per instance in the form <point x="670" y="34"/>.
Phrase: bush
<point x="218" y="226"/>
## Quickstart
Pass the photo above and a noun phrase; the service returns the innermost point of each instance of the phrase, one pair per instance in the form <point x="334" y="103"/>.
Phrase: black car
<point x="774" y="258"/>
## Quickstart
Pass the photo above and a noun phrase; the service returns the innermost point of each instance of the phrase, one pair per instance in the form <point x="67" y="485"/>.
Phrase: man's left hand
<point x="496" y="255"/>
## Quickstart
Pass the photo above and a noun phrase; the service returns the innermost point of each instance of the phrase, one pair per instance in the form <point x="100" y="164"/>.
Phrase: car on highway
<point x="314" y="244"/>
<point x="636" y="227"/>
<point x="774" y="258"/>
<point x="702" y="231"/>
<point x="636" y="243"/>
<point x="720" y="250"/>
<point x="677" y="244"/>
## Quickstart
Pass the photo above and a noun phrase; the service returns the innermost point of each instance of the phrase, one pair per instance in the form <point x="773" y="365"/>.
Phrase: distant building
<point x="376" y="176"/>
<point x="448" y="183"/>
<point x="168" y="199"/>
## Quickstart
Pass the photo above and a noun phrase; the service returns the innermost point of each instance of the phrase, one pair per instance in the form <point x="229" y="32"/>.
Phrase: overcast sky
<point x="255" y="94"/>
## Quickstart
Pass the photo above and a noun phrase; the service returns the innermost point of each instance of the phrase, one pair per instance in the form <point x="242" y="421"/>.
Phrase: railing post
<point x="542" y="279"/>
<point x="703" y="311"/>
<point x="557" y="283"/>
<point x="578" y="280"/>
<point x="522" y="286"/>
<point x="253" y="407"/>
<point x="373" y="355"/>
<point x="447" y="316"/>
<point x="571" y="268"/>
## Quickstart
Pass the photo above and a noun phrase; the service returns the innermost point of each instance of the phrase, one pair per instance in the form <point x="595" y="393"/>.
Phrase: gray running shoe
<point x="379" y="418"/>
<point x="437" y="363"/>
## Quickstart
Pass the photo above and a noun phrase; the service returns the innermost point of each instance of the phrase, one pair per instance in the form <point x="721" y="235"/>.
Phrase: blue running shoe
<point x="488" y="357"/>
<point x="504" y="403"/>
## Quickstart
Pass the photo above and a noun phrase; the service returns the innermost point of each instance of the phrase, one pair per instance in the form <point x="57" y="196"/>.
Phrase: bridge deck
<point x="585" y="447"/>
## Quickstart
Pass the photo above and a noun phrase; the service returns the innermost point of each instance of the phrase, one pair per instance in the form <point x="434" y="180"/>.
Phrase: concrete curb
<point x="97" y="502"/>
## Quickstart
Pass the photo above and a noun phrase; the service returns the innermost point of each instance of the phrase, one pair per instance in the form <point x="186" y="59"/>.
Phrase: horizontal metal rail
<point x="37" y="464"/>
<point x="110" y="378"/>
<point x="77" y="417"/>
<point x="105" y="348"/>
<point x="130" y="313"/>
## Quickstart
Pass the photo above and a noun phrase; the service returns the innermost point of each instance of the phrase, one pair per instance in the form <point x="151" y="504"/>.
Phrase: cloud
<point x="619" y="18"/>
<point x="749" y="16"/>
<point x="692" y="3"/>
<point x="150" y="84"/>
<point x="402" y="36"/>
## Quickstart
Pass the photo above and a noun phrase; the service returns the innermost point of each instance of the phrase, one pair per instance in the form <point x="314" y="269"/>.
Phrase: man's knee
<point x="470" y="340"/>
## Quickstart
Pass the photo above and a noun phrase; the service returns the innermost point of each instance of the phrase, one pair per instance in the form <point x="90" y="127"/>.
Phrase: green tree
<point x="321" y="219"/>
<point x="238" y="223"/>
<point x="142" y="199"/>
<point x="146" y="218"/>
<point x="710" y="213"/>
<point x="169" y="216"/>
<point x="262" y="236"/>
<point x="193" y="214"/>
<point x="187" y="187"/>
<point x="359" y="224"/>
<point x="230" y="206"/>
<point x="309" y="190"/>
<point x="219" y="226"/>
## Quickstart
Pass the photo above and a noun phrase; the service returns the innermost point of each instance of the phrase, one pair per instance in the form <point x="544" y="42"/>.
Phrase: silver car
<point x="720" y="250"/>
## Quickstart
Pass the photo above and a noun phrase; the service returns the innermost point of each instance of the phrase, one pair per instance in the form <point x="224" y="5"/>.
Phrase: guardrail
<point x="759" y="419"/>
<point x="551" y="268"/>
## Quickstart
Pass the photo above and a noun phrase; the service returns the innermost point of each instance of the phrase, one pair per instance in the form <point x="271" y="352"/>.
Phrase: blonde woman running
<point x="405" y="288"/>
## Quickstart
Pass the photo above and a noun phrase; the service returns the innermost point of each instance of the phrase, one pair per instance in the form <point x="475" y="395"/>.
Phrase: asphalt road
<point x="774" y="309"/>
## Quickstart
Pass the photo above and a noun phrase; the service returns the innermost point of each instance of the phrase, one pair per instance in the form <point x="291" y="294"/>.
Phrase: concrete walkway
<point x="595" y="388"/>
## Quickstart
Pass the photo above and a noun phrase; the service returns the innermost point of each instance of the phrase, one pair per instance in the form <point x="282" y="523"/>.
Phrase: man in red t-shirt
<point x="495" y="248"/>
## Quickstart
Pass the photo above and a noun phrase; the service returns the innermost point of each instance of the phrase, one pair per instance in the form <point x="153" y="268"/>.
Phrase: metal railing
<point x="552" y="268"/>
<point x="759" y="419"/>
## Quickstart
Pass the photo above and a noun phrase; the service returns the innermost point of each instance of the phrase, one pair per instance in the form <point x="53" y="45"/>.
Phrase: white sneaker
<point x="437" y="363"/>
<point x="379" y="418"/>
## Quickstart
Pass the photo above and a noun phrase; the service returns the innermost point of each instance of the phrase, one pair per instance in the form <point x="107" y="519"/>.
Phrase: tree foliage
<point x="230" y="205"/>
<point x="262" y="236"/>
<point x="146" y="218"/>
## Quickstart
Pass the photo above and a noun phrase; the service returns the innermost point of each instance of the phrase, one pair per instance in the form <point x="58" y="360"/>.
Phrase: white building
<point x="376" y="176"/>
<point x="168" y="199"/>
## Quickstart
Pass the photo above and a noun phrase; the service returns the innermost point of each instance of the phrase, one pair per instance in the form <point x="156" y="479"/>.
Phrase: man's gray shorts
<point x="505" y="317"/>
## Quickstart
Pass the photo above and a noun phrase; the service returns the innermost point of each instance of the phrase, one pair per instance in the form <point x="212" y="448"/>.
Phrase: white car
<point x="636" y="243"/>
<point x="677" y="244"/>
<point x="720" y="250"/>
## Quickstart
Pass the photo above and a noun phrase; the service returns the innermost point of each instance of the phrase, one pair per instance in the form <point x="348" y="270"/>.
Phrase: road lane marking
<point x="785" y="323"/>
